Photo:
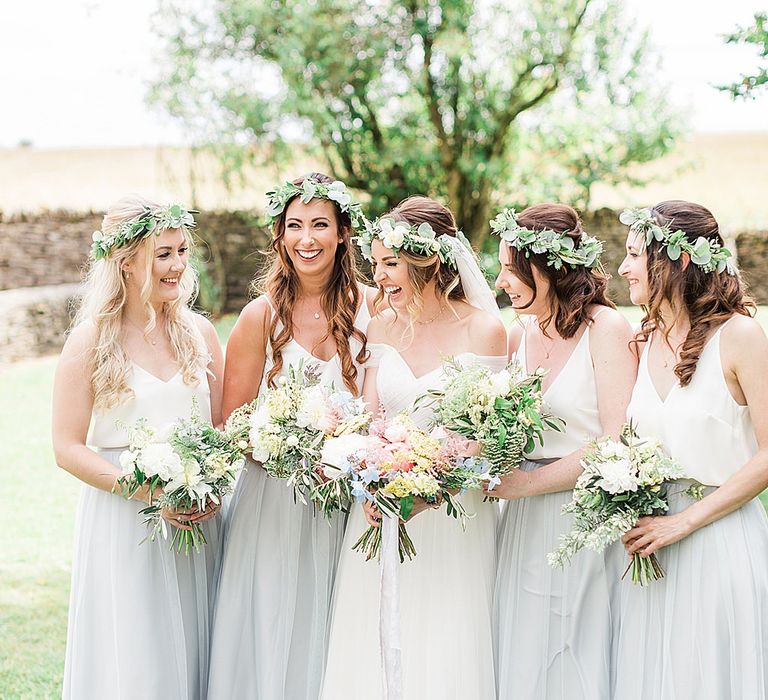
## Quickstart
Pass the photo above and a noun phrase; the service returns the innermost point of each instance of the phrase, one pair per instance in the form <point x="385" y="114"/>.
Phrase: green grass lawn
<point x="36" y="531"/>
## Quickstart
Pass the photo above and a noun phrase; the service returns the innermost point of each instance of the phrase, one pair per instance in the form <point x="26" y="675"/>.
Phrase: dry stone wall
<point x="43" y="256"/>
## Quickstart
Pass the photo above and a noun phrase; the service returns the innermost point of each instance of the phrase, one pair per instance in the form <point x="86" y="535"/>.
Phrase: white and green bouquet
<point x="622" y="481"/>
<point x="503" y="411"/>
<point x="192" y="464"/>
<point x="286" y="426"/>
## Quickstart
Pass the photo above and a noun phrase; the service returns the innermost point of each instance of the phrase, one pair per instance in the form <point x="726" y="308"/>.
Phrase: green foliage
<point x="756" y="35"/>
<point x="404" y="98"/>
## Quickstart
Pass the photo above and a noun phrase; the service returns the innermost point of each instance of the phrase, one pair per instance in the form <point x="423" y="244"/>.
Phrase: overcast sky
<point x="75" y="72"/>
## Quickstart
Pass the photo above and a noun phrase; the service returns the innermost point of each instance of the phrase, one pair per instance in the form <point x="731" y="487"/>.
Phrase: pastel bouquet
<point x="285" y="427"/>
<point x="393" y="466"/>
<point x="502" y="410"/>
<point x="186" y="465"/>
<point x="622" y="481"/>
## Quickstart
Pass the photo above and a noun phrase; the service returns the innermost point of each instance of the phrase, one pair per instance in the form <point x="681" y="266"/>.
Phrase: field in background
<point x="724" y="171"/>
<point x="36" y="531"/>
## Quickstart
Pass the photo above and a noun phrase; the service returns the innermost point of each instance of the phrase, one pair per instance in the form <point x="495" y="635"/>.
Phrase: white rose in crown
<point x="159" y="459"/>
<point x="393" y="234"/>
<point x="337" y="191"/>
<point x="616" y="476"/>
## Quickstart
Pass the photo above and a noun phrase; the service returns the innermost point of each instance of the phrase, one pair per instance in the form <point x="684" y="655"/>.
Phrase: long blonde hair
<point x="104" y="297"/>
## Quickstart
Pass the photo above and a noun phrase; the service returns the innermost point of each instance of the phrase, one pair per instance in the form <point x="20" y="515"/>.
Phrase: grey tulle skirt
<point x="139" y="613"/>
<point x="701" y="632"/>
<point x="271" y="617"/>
<point x="554" y="627"/>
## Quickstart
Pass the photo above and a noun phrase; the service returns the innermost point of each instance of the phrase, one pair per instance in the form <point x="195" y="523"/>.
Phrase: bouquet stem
<point x="188" y="539"/>
<point x="370" y="543"/>
<point x="644" y="569"/>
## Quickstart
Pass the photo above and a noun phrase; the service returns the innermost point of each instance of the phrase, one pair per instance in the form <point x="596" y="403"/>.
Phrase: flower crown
<point x="399" y="235"/>
<point x="309" y="189"/>
<point x="171" y="216"/>
<point x="709" y="255"/>
<point x="559" y="247"/>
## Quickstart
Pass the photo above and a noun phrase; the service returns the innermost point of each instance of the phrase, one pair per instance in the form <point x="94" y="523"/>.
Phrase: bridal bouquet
<point x="286" y="427"/>
<point x="503" y="411"/>
<point x="190" y="465"/>
<point x="391" y="467"/>
<point x="621" y="482"/>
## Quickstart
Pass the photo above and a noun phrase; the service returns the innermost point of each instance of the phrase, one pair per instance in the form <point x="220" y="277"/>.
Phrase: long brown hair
<point x="709" y="298"/>
<point x="422" y="269"/>
<point x="572" y="289"/>
<point x="340" y="299"/>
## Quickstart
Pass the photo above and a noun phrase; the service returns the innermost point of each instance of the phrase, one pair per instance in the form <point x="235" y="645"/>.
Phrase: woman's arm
<point x="246" y="355"/>
<point x="215" y="366"/>
<point x="615" y="365"/>
<point x="72" y="407"/>
<point x="744" y="353"/>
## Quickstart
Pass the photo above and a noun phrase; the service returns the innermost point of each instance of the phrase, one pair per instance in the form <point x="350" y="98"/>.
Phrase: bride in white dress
<point x="139" y="614"/>
<point x="446" y="590"/>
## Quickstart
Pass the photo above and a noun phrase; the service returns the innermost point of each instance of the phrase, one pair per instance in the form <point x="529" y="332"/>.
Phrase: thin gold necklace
<point x="431" y="320"/>
<point x="145" y="336"/>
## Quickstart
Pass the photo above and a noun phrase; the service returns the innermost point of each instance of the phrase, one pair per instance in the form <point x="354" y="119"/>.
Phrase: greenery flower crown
<point x="560" y="248"/>
<point x="400" y="235"/>
<point x="709" y="255"/>
<point x="171" y="216"/>
<point x="312" y="189"/>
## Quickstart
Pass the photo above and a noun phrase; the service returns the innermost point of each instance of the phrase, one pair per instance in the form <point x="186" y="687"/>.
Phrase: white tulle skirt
<point x="271" y="617"/>
<point x="701" y="632"/>
<point x="139" y="614"/>
<point x="554" y="628"/>
<point x="445" y="611"/>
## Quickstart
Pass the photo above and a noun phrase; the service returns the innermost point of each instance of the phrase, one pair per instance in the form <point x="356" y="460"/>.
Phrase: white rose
<point x="499" y="383"/>
<point x="160" y="459"/>
<point x="396" y="432"/>
<point x="616" y="476"/>
<point x="396" y="237"/>
<point x="128" y="461"/>
<point x="292" y="441"/>
<point x="335" y="451"/>
<point x="259" y="418"/>
<point x="312" y="408"/>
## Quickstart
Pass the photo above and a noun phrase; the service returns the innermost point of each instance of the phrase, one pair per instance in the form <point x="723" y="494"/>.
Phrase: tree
<point x="398" y="97"/>
<point x="756" y="34"/>
<point x="600" y="132"/>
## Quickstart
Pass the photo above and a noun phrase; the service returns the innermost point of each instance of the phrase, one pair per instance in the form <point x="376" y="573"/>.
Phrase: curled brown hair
<point x="423" y="269"/>
<point x="709" y="298"/>
<point x="340" y="299"/>
<point x="571" y="289"/>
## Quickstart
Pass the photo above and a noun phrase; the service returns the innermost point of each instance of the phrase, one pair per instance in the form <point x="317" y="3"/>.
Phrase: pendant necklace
<point x="145" y="337"/>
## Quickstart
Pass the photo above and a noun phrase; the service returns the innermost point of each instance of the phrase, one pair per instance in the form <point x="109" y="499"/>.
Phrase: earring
<point x="126" y="275"/>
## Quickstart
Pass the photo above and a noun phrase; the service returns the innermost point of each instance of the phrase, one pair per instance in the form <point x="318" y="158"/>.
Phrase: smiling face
<point x="390" y="273"/>
<point x="163" y="260"/>
<point x="311" y="235"/>
<point x="634" y="269"/>
<point x="520" y="294"/>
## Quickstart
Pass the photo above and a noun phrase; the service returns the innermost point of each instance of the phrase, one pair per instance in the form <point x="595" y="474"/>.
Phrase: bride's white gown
<point x="446" y="591"/>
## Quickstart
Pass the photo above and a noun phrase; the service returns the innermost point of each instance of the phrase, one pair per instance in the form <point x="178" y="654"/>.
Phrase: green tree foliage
<point x="754" y="35"/>
<point x="406" y="97"/>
